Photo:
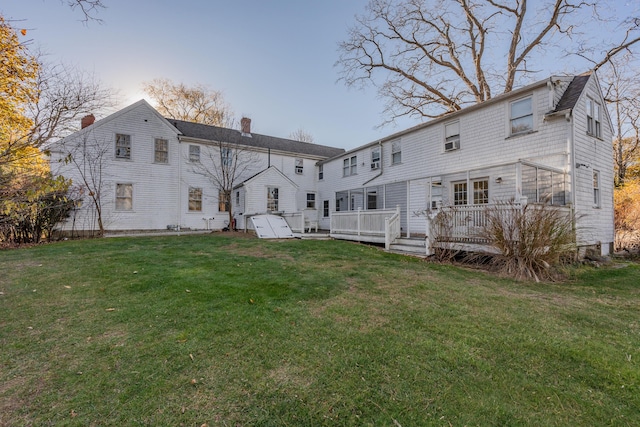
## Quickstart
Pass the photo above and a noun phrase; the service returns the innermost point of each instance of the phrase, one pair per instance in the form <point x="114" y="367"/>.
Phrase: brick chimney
<point x="87" y="121"/>
<point x="245" y="126"/>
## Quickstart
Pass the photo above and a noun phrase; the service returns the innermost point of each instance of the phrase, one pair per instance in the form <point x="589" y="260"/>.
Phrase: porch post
<point x="302" y="220"/>
<point x="359" y="213"/>
<point x="518" y="194"/>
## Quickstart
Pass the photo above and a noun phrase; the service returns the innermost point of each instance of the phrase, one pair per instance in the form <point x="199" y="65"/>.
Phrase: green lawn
<point x="218" y="330"/>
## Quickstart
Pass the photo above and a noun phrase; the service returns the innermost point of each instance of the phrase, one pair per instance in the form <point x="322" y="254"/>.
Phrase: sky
<point x="273" y="60"/>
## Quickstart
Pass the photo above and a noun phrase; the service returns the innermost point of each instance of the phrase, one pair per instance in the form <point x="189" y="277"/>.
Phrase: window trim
<point x="594" y="118"/>
<point x="350" y="166"/>
<point x="193" y="191"/>
<point x="320" y="172"/>
<point x="273" y="202"/>
<point x="126" y="146"/>
<point x="460" y="196"/>
<point x="452" y="139"/>
<point x="311" y="203"/>
<point x="118" y="197"/>
<point x="513" y="118"/>
<point x="325" y="208"/>
<point x="484" y="192"/>
<point x="193" y="158"/>
<point x="596" y="188"/>
<point x="375" y="158"/>
<point x="396" y="152"/>
<point x="165" y="151"/>
<point x="226" y="156"/>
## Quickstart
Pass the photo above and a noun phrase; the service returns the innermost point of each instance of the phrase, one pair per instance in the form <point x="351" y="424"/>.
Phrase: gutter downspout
<point x="179" y="183"/>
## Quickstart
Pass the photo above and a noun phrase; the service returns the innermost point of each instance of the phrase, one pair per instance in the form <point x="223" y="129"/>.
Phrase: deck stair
<point x="412" y="246"/>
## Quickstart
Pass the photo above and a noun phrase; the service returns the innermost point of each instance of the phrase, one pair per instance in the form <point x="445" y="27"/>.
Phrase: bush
<point x="529" y="239"/>
<point x="627" y="215"/>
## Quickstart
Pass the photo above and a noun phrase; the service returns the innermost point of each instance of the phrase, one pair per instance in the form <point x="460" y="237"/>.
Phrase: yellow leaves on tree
<point x="18" y="72"/>
<point x="627" y="214"/>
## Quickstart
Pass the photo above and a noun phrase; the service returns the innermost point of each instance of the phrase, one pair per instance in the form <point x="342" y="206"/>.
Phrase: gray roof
<point x="232" y="136"/>
<point x="572" y="93"/>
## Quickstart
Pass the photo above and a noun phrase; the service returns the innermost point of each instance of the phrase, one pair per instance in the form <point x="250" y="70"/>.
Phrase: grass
<point x="228" y="331"/>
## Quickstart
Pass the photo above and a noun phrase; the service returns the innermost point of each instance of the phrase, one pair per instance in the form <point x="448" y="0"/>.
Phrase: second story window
<point x="375" y="158"/>
<point x="452" y="136"/>
<point x="194" y="153"/>
<point x="320" y="172"/>
<point x="123" y="146"/>
<point x="594" y="118"/>
<point x="396" y="152"/>
<point x="161" y="151"/>
<point x="350" y="166"/>
<point x="521" y="116"/>
<point x="299" y="165"/>
<point x="226" y="157"/>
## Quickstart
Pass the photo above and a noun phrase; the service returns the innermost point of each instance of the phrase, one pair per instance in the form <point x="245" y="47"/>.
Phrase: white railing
<point x="299" y="221"/>
<point x="382" y="223"/>
<point x="466" y="223"/>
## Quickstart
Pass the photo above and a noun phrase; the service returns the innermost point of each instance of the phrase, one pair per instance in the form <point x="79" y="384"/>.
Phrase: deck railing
<point x="382" y="223"/>
<point x="466" y="223"/>
<point x="299" y="221"/>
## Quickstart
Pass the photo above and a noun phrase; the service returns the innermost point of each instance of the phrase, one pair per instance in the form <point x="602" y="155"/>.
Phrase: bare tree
<point x="87" y="7"/>
<point x="301" y="135"/>
<point x="622" y="93"/>
<point x="430" y="57"/>
<point x="65" y="95"/>
<point x="87" y="156"/>
<point x="193" y="104"/>
<point x="223" y="164"/>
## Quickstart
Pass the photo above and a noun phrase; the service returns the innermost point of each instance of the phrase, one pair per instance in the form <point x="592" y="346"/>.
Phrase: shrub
<point x="529" y="239"/>
<point x="627" y="215"/>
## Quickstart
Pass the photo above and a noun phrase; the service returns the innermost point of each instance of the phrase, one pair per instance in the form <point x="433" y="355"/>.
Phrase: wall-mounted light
<point x="499" y="180"/>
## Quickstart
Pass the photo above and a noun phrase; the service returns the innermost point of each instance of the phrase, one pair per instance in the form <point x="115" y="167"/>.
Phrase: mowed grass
<point x="221" y="330"/>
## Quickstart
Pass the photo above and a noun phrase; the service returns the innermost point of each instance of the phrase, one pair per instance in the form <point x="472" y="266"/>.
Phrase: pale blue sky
<point x="272" y="59"/>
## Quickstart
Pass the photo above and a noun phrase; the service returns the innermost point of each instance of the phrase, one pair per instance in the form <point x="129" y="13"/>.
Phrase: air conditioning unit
<point x="375" y="165"/>
<point x="454" y="144"/>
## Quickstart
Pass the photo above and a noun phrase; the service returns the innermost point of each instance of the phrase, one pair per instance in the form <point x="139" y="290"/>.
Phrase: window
<point x="594" y="118"/>
<point x="123" y="146"/>
<point x="372" y="199"/>
<point x="195" y="199"/>
<point x="460" y="193"/>
<point x="350" y="166"/>
<point x="481" y="192"/>
<point x="311" y="200"/>
<point x="226" y="157"/>
<point x="299" y="165"/>
<point x="521" y="116"/>
<point x="452" y="136"/>
<point x="396" y="152"/>
<point x="194" y="153"/>
<point x="124" y="197"/>
<point x="320" y="172"/>
<point x="272" y="198"/>
<point x="375" y="158"/>
<point x="596" y="189"/>
<point x="223" y="201"/>
<point x="237" y="198"/>
<point x="543" y="185"/>
<point x="161" y="151"/>
<point x="325" y="209"/>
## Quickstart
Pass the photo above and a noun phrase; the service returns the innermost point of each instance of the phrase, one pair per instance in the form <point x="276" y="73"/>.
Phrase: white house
<point x="152" y="173"/>
<point x="549" y="142"/>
